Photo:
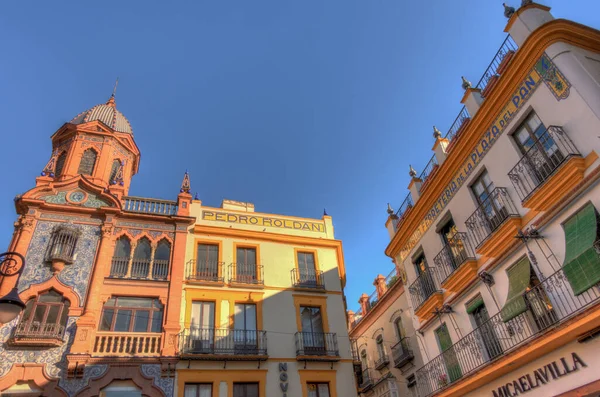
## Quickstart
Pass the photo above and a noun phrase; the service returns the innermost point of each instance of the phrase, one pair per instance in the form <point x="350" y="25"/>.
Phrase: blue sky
<point x="293" y="105"/>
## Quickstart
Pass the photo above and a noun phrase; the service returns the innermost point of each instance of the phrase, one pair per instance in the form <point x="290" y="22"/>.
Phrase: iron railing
<point x="160" y="269"/>
<point x="204" y="271"/>
<point x="382" y="361"/>
<point x="491" y="214"/>
<point x="461" y="119"/>
<point x="548" y="152"/>
<point x="358" y="316"/>
<point x="372" y="302"/>
<point x="246" y="273"/>
<point x="367" y="381"/>
<point x="149" y="206"/>
<point x="354" y="349"/>
<point x="549" y="304"/>
<point x="140" y="268"/>
<point x="302" y="278"/>
<point x="119" y="266"/>
<point x="456" y="251"/>
<point x="508" y="47"/>
<point x="431" y="164"/>
<point x="402" y="353"/>
<point x="38" y="330"/>
<point x="391" y="279"/>
<point x="223" y="341"/>
<point x="317" y="344"/>
<point x="62" y="244"/>
<point x="406" y="205"/>
<point x="423" y="287"/>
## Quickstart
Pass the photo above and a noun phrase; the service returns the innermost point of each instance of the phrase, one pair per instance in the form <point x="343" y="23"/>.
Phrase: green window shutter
<point x="474" y="304"/>
<point x="582" y="263"/>
<point x="518" y="281"/>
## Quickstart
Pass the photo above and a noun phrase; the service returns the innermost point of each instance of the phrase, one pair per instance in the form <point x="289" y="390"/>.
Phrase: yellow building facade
<point x="263" y="311"/>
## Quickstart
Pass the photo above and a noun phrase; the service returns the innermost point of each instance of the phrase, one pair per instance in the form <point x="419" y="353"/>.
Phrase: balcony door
<point x="492" y="208"/>
<point x="245" y="335"/>
<point x="245" y="269"/>
<point x="307" y="273"/>
<point x="455" y="246"/>
<point x="207" y="262"/>
<point x="426" y="284"/>
<point x="486" y="332"/>
<point x="312" y="330"/>
<point x="202" y="330"/>
<point x="450" y="359"/>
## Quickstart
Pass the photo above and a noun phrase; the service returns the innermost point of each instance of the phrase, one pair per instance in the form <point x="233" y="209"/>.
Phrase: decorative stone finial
<point x="50" y="168"/>
<point x="412" y="173"/>
<point x="466" y="84"/>
<point x="185" y="185"/>
<point x="436" y="133"/>
<point x="325" y="212"/>
<point x="196" y="196"/>
<point x="390" y="210"/>
<point x="508" y="11"/>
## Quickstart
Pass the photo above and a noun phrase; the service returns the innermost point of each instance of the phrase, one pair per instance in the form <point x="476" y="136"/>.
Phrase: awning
<point x="582" y="263"/>
<point x="474" y="304"/>
<point x="518" y="280"/>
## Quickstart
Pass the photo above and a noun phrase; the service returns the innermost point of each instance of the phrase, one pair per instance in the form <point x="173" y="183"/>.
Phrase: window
<point x="44" y="316"/>
<point x="141" y="258"/>
<point x="307" y="270"/>
<point x="398" y="327"/>
<point x="202" y="330"/>
<point x="88" y="161"/>
<point x="114" y="169"/>
<point x="207" y="262"/>
<point x="482" y="187"/>
<point x="246" y="264"/>
<point x="493" y="207"/>
<point x="312" y="329"/>
<point x="62" y="244"/>
<point x="449" y="355"/>
<point x="245" y="390"/>
<point x="197" y="390"/>
<point x="244" y="323"/>
<point x="60" y="164"/>
<point x="364" y="360"/>
<point x="476" y="308"/>
<point x="162" y="256"/>
<point x="380" y="347"/>
<point x="120" y="260"/>
<point x="318" y="389"/>
<point x="529" y="132"/>
<point x="127" y="314"/>
<point x="454" y="246"/>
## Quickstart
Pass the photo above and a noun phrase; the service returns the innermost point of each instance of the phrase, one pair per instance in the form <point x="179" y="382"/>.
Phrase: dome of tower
<point x="108" y="114"/>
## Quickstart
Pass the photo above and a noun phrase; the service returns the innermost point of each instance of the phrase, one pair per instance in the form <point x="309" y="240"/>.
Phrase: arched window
<point x="113" y="170"/>
<point x="120" y="260"/>
<point x="363" y="359"/>
<point x="380" y="347"/>
<point x="62" y="244"/>
<point x="45" y="316"/>
<point x="162" y="255"/>
<point x="88" y="161"/>
<point x="60" y="164"/>
<point x="140" y="266"/>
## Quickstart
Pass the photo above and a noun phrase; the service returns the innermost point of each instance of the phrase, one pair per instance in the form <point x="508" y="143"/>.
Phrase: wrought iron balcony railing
<point x="423" y="287"/>
<point x="490" y="215"/>
<point x="149" y="206"/>
<point x="402" y="353"/>
<point x="134" y="268"/>
<point x="382" y="362"/>
<point x="459" y="122"/>
<point x="127" y="344"/>
<point x="549" y="304"/>
<point x="367" y="380"/>
<point x="354" y="348"/>
<point x="204" y="271"/>
<point x="223" y="341"/>
<point x="548" y="152"/>
<point x="456" y="252"/>
<point x="406" y="205"/>
<point x="507" y="48"/>
<point x="317" y="344"/>
<point x="246" y="273"/>
<point x="302" y="278"/>
<point x="38" y="330"/>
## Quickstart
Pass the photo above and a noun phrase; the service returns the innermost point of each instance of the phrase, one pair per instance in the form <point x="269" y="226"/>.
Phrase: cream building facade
<point x="263" y="310"/>
<point x="498" y="239"/>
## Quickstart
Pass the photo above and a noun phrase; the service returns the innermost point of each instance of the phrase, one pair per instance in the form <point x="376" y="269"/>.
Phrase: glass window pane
<point x="190" y="391"/>
<point x="40" y="311"/>
<point x="123" y="320"/>
<point x="52" y="317"/>
<point x="141" y="320"/>
<point x="156" y="321"/>
<point x="534" y="122"/>
<point x="123" y="248"/>
<point x="312" y="390"/>
<point x="213" y="253"/>
<point x="323" y="390"/>
<point x="239" y="316"/>
<point x="251" y="317"/>
<point x="143" y="249"/>
<point x="107" y="319"/>
<point x="51" y="296"/>
<point x="134" y="302"/>
<point x="163" y="250"/>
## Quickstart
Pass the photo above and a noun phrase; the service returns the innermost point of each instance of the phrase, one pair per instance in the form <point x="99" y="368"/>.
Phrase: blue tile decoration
<point x="92" y="201"/>
<point x="77" y="274"/>
<point x="167" y="385"/>
<point x="91" y="372"/>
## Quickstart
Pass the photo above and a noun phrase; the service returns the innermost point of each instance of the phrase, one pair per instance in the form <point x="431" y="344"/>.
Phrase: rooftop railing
<point x="429" y="168"/>
<point x="149" y="206"/>
<point x="457" y="125"/>
<point x="507" y="48"/>
<point x="546" y="154"/>
<point x="406" y="205"/>
<point x="391" y="279"/>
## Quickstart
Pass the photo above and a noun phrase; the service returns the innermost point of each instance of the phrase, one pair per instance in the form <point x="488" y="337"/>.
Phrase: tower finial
<point x="185" y="184"/>
<point x="508" y="11"/>
<point x="411" y="172"/>
<point x="115" y="88"/>
<point x="436" y="133"/>
<point x="466" y="84"/>
<point x="325" y="212"/>
<point x="390" y="210"/>
<point x="111" y="100"/>
<point x="196" y="196"/>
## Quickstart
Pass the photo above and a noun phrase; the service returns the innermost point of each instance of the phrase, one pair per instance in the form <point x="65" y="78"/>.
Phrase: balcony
<point x="317" y="346"/>
<point x="308" y="279"/>
<point x="382" y="362"/>
<point x="494" y="223"/>
<point x="402" y="353"/>
<point x="127" y="344"/>
<point x="456" y="264"/>
<point x="204" y="272"/>
<point x="354" y="348"/>
<point x="425" y="294"/>
<point x="37" y="333"/>
<point x="549" y="169"/>
<point x="548" y="305"/>
<point x="149" y="206"/>
<point x="141" y="269"/>
<point x="247" y="275"/>
<point x="223" y="344"/>
<point x="367" y="381"/>
<point x="405" y="207"/>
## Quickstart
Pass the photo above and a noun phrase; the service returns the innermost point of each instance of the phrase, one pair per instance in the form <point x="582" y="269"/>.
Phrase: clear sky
<point x="293" y="105"/>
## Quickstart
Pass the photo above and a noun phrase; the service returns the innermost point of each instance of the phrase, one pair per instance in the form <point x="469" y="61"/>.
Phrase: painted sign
<point x="543" y="71"/>
<point x="262" y="221"/>
<point x="283" y="379"/>
<point x="540" y="377"/>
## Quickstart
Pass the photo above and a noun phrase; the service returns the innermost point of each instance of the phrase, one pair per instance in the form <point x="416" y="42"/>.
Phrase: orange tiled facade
<point x="103" y="275"/>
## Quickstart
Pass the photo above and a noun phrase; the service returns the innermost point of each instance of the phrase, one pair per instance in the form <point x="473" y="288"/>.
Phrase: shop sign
<point x="263" y="221"/>
<point x="540" y="377"/>
<point x="283" y="378"/>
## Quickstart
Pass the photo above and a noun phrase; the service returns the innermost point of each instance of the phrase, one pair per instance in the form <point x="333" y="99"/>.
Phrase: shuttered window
<point x="518" y="279"/>
<point x="88" y="161"/>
